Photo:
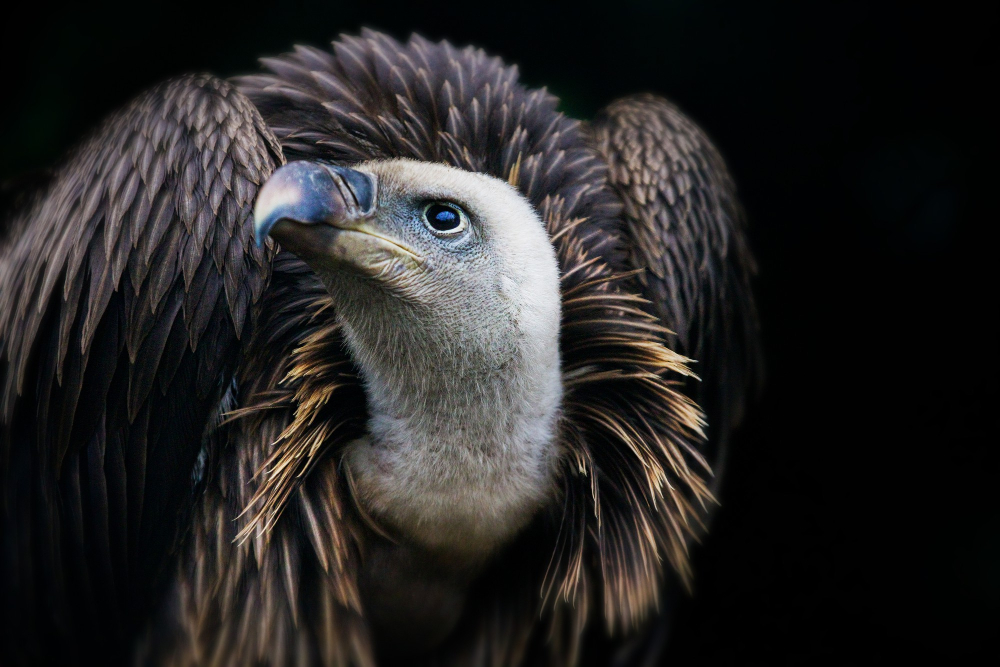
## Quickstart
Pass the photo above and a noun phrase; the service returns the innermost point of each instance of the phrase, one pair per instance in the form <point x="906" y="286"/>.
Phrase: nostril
<point x="361" y="185"/>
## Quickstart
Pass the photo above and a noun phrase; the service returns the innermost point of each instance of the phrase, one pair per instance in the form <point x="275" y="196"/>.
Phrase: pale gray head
<point x="448" y="289"/>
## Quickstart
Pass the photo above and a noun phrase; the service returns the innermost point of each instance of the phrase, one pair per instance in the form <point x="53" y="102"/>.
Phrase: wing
<point x="124" y="292"/>
<point x="686" y="230"/>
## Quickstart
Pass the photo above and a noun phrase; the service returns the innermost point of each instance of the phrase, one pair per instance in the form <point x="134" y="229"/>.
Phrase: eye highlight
<point x="445" y="219"/>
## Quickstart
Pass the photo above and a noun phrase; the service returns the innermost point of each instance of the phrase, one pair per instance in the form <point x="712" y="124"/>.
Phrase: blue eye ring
<point x="445" y="219"/>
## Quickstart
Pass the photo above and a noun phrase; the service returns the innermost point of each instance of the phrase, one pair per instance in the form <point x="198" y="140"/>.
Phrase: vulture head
<point x="448" y="291"/>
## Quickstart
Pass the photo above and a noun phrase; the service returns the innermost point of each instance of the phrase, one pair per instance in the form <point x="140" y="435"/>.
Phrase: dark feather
<point x="686" y="229"/>
<point x="83" y="342"/>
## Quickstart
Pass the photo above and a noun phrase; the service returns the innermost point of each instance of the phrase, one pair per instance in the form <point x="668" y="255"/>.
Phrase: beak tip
<point x="284" y="194"/>
<point x="263" y="220"/>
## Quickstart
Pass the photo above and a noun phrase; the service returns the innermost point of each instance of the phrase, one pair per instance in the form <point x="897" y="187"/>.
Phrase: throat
<point x="457" y="460"/>
<point x="463" y="486"/>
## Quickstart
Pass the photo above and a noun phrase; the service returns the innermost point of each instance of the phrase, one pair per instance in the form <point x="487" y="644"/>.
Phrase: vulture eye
<point x="445" y="219"/>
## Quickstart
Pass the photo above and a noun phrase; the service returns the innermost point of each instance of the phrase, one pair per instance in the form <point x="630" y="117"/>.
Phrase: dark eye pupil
<point x="443" y="218"/>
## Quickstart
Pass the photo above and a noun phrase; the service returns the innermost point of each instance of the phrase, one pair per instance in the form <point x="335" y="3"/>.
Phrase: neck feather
<point x="462" y="430"/>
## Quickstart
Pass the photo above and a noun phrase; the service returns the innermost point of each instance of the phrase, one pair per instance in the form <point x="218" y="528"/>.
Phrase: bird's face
<point x="448" y="288"/>
<point x="461" y="253"/>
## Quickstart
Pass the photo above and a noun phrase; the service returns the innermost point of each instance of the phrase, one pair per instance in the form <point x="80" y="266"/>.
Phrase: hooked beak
<point x="324" y="214"/>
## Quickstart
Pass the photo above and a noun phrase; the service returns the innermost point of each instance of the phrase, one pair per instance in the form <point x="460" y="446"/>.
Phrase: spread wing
<point x="686" y="230"/>
<point x="125" y="289"/>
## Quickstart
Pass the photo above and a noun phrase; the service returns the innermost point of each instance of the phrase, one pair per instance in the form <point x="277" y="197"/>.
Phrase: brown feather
<point x="686" y="229"/>
<point x="91" y="292"/>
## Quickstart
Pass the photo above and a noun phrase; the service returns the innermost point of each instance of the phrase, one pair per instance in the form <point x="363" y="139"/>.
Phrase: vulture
<point x="372" y="358"/>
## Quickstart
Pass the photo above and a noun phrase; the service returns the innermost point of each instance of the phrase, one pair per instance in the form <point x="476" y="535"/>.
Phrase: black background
<point x="859" y="518"/>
